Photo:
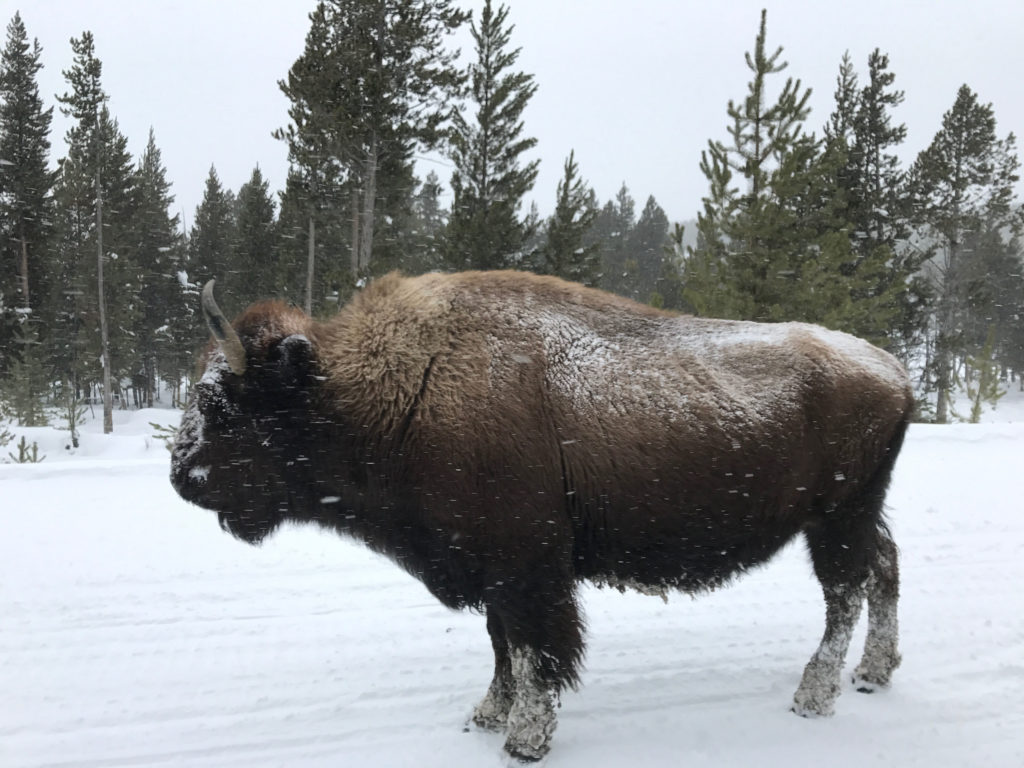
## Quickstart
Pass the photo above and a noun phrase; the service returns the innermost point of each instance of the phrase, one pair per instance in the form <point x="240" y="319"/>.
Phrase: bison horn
<point x="223" y="332"/>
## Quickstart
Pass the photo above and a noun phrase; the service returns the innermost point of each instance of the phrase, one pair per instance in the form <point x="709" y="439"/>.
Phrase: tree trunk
<point x="24" y="272"/>
<point x="309" y="265"/>
<point x="355" y="234"/>
<point x="943" y="346"/>
<point x="108" y="404"/>
<point x="947" y="311"/>
<point x="369" y="201"/>
<point x="942" y="402"/>
<point x="944" y="363"/>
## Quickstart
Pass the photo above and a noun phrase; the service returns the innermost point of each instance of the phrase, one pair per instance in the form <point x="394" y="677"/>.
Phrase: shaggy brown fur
<point x="503" y="436"/>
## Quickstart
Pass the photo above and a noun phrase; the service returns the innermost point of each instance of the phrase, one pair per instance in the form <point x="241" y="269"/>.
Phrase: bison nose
<point x="179" y="480"/>
<point x="179" y="483"/>
<point x="189" y="480"/>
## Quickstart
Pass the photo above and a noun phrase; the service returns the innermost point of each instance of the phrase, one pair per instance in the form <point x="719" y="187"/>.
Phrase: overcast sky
<point x="636" y="87"/>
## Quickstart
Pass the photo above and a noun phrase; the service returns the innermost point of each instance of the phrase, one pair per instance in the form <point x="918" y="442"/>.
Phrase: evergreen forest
<point x="809" y="218"/>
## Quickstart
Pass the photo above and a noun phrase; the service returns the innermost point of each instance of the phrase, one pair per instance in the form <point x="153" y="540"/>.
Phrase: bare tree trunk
<point x="108" y="404"/>
<point x="309" y="265"/>
<point x="947" y="310"/>
<point x="943" y="343"/>
<point x="70" y="402"/>
<point x="369" y="201"/>
<point x="24" y="271"/>
<point x="355" y="234"/>
<point x="942" y="404"/>
<point x="943" y="363"/>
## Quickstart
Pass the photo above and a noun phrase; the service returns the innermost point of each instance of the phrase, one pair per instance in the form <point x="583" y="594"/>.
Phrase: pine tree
<point x="6" y="436"/>
<point x="208" y="254"/>
<point x="877" y="199"/>
<point x="879" y="209"/>
<point x="1001" y="253"/>
<point x="564" y="252"/>
<point x="668" y="292"/>
<point x="314" y="188"/>
<point x="428" y="229"/>
<point x="95" y="198"/>
<point x="255" y="244"/>
<point x="373" y="82"/>
<point x="870" y="193"/>
<point x="25" y="183"/>
<point x="159" y="258"/>
<point x="763" y="135"/>
<point x="181" y="338"/>
<point x="746" y="239"/>
<point x="70" y="412"/>
<point x="310" y="272"/>
<point x="646" y="251"/>
<point x="840" y="127"/>
<point x="26" y="385"/>
<point x="485" y="230"/>
<point x="211" y="245"/>
<point x="1007" y="277"/>
<point x="989" y="290"/>
<point x="982" y="385"/>
<point x="612" y="230"/>
<point x="962" y="184"/>
<point x="781" y="248"/>
<point x="392" y="240"/>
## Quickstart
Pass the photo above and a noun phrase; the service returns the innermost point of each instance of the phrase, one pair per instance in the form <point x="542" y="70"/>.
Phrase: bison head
<point x="243" y="444"/>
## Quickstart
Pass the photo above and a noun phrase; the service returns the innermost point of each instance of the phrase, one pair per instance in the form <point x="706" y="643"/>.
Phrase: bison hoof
<point x="530" y="731"/>
<point x="526" y="753"/>
<point x="867" y="683"/>
<point x="810" y="713"/>
<point x="812" y="707"/>
<point x="818" y="689"/>
<point x="868" y="678"/>
<point x="491" y="714"/>
<point x="493" y="722"/>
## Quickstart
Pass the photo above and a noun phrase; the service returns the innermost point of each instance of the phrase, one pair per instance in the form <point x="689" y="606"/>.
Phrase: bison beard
<point x="504" y="436"/>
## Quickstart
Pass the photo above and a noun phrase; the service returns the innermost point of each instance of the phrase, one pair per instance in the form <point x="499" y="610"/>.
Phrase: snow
<point x="134" y="632"/>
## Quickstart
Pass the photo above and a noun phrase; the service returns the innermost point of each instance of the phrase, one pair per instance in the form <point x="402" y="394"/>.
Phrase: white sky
<point x="636" y="87"/>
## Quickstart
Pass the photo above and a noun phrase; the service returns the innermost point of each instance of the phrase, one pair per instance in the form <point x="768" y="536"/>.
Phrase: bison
<point x="505" y="436"/>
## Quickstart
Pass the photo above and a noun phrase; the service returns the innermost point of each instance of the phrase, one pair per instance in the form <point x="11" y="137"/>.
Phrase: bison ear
<point x="296" y="359"/>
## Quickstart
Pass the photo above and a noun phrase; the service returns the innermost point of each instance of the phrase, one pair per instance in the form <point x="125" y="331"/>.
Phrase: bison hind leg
<point x="819" y="686"/>
<point x="881" y="652"/>
<point x="853" y="557"/>
<point x="840" y="550"/>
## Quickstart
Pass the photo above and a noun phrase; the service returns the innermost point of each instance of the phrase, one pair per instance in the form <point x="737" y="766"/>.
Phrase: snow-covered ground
<point x="133" y="632"/>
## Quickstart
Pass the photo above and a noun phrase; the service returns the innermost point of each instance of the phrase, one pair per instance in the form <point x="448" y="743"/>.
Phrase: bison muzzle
<point x="504" y="436"/>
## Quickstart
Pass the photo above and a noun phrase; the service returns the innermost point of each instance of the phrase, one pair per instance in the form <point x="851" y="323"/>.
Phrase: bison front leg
<point x="492" y="712"/>
<point x="544" y="636"/>
<point x="531" y="720"/>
